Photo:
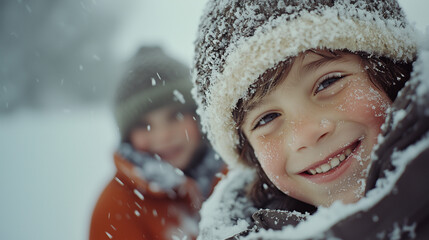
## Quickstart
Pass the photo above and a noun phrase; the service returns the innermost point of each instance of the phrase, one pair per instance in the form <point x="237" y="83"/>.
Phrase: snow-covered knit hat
<point x="152" y="80"/>
<point x="239" y="40"/>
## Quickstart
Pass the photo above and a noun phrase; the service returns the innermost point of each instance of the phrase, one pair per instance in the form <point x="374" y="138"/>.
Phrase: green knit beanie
<point x="152" y="80"/>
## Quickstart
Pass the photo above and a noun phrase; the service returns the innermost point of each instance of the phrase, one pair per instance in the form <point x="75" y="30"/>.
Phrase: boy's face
<point x="175" y="137"/>
<point x="313" y="134"/>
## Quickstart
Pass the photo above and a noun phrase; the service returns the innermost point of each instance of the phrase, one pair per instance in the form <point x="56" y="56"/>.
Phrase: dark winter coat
<point x="132" y="207"/>
<point x="396" y="205"/>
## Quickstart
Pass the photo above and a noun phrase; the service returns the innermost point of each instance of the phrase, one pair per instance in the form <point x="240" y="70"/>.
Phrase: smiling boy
<point x="298" y="91"/>
<point x="313" y="132"/>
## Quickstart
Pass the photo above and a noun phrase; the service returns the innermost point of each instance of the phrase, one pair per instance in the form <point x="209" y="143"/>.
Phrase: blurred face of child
<point x="314" y="132"/>
<point x="174" y="136"/>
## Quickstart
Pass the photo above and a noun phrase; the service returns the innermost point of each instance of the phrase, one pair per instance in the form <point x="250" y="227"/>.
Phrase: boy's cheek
<point x="270" y="156"/>
<point x="140" y="141"/>
<point x="365" y="105"/>
<point x="274" y="166"/>
<point x="267" y="150"/>
<point x="192" y="132"/>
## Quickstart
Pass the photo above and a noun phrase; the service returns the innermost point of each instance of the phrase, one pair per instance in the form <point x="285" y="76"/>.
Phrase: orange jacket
<point x="129" y="209"/>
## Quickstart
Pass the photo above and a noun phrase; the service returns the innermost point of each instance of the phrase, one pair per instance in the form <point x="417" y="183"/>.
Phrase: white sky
<point x="417" y="12"/>
<point x="171" y="24"/>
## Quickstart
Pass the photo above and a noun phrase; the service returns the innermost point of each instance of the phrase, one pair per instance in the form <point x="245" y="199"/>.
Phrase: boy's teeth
<point x="334" y="162"/>
<point x="325" y="167"/>
<point x="348" y="151"/>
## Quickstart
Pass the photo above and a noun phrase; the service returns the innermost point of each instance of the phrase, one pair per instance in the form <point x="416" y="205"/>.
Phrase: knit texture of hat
<point x="239" y="40"/>
<point x="153" y="80"/>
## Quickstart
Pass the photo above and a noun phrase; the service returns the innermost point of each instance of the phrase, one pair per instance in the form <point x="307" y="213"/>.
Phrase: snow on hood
<point x="227" y="211"/>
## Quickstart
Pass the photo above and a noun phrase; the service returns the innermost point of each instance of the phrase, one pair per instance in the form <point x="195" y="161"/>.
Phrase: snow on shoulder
<point x="421" y="66"/>
<point x="227" y="211"/>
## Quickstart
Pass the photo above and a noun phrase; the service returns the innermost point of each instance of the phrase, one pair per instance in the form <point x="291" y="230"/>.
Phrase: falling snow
<point x="138" y="194"/>
<point x="179" y="96"/>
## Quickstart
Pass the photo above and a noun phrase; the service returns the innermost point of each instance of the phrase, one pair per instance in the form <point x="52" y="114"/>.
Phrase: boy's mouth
<point x="170" y="153"/>
<point x="334" y="161"/>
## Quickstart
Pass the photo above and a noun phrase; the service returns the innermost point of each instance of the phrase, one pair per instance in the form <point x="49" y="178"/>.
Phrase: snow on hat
<point x="240" y="40"/>
<point x="153" y="80"/>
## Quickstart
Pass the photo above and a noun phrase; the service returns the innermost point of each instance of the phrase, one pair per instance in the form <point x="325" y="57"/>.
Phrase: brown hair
<point x="384" y="73"/>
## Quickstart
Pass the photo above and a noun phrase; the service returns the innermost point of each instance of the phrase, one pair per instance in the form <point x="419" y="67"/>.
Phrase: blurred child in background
<point x="165" y="168"/>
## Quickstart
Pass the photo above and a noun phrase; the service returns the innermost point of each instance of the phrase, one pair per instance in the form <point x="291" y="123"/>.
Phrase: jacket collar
<point x="128" y="174"/>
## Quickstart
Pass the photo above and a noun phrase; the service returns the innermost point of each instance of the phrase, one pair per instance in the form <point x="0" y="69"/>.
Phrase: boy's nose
<point x="307" y="133"/>
<point x="161" y="134"/>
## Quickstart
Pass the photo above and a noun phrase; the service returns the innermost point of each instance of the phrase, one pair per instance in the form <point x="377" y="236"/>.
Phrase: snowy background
<point x="59" y="63"/>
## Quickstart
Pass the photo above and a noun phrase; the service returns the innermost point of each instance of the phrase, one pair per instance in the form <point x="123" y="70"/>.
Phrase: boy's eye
<point x="327" y="80"/>
<point x="266" y="119"/>
<point x="142" y="126"/>
<point x="179" y="116"/>
<point x="174" y="116"/>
